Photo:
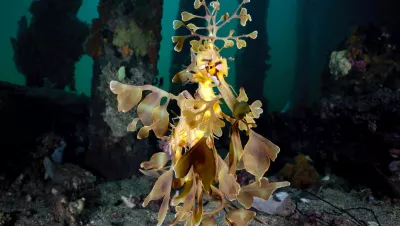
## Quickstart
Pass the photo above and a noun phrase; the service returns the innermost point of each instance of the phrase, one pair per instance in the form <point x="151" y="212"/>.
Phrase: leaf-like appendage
<point x="179" y="40"/>
<point x="177" y="24"/>
<point x="240" y="43"/>
<point x="204" y="163"/>
<point x="195" y="45"/>
<point x="155" y="173"/>
<point x="244" y="17"/>
<point x="224" y="17"/>
<point x="227" y="181"/>
<point x="143" y="132"/>
<point x="128" y="96"/>
<point x="235" y="150"/>
<point x="181" y="196"/>
<point x="147" y="106"/>
<point x="262" y="189"/>
<point x="182" y="77"/>
<point x="240" y="110"/>
<point x="162" y="188"/>
<point x="242" y="95"/>
<point x="198" y="116"/>
<point x="133" y="125"/>
<point x="191" y="118"/>
<point x="215" y="4"/>
<point x="258" y="153"/>
<point x="253" y="35"/>
<point x="157" y="161"/>
<point x="160" y="121"/>
<point x="256" y="109"/>
<point x="186" y="16"/>
<point x="197" y="4"/>
<point x="187" y="206"/>
<point x="228" y="43"/>
<point x="240" y="217"/>
<point x="250" y="123"/>
<point x="198" y="210"/>
<point x="192" y="27"/>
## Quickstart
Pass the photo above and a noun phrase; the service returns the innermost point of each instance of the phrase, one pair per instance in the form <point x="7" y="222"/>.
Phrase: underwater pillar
<point x="124" y="45"/>
<point x="47" y="47"/>
<point x="301" y="91"/>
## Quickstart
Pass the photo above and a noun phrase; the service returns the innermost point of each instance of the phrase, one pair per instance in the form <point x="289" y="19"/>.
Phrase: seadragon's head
<point x="207" y="66"/>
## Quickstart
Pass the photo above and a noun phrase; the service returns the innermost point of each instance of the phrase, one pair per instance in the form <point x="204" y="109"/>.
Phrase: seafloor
<point x="106" y="209"/>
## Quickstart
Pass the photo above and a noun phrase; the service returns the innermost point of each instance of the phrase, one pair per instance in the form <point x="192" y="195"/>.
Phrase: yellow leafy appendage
<point x="195" y="166"/>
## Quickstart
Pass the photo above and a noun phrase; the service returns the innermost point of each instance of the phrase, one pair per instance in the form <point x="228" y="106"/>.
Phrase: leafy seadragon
<point x="195" y="168"/>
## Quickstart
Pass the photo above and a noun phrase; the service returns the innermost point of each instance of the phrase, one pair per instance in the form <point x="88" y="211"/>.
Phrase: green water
<point x="281" y="31"/>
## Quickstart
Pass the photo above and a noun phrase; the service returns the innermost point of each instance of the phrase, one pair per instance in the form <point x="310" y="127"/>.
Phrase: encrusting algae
<point x="195" y="168"/>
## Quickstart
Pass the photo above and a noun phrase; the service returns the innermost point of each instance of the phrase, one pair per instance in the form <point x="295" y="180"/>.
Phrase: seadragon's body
<point x="195" y="166"/>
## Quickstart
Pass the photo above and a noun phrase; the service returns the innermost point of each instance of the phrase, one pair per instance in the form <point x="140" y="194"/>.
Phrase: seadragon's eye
<point x="211" y="69"/>
<point x="214" y="68"/>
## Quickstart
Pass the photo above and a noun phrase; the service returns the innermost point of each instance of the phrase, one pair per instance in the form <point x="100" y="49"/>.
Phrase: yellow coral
<point x="195" y="166"/>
